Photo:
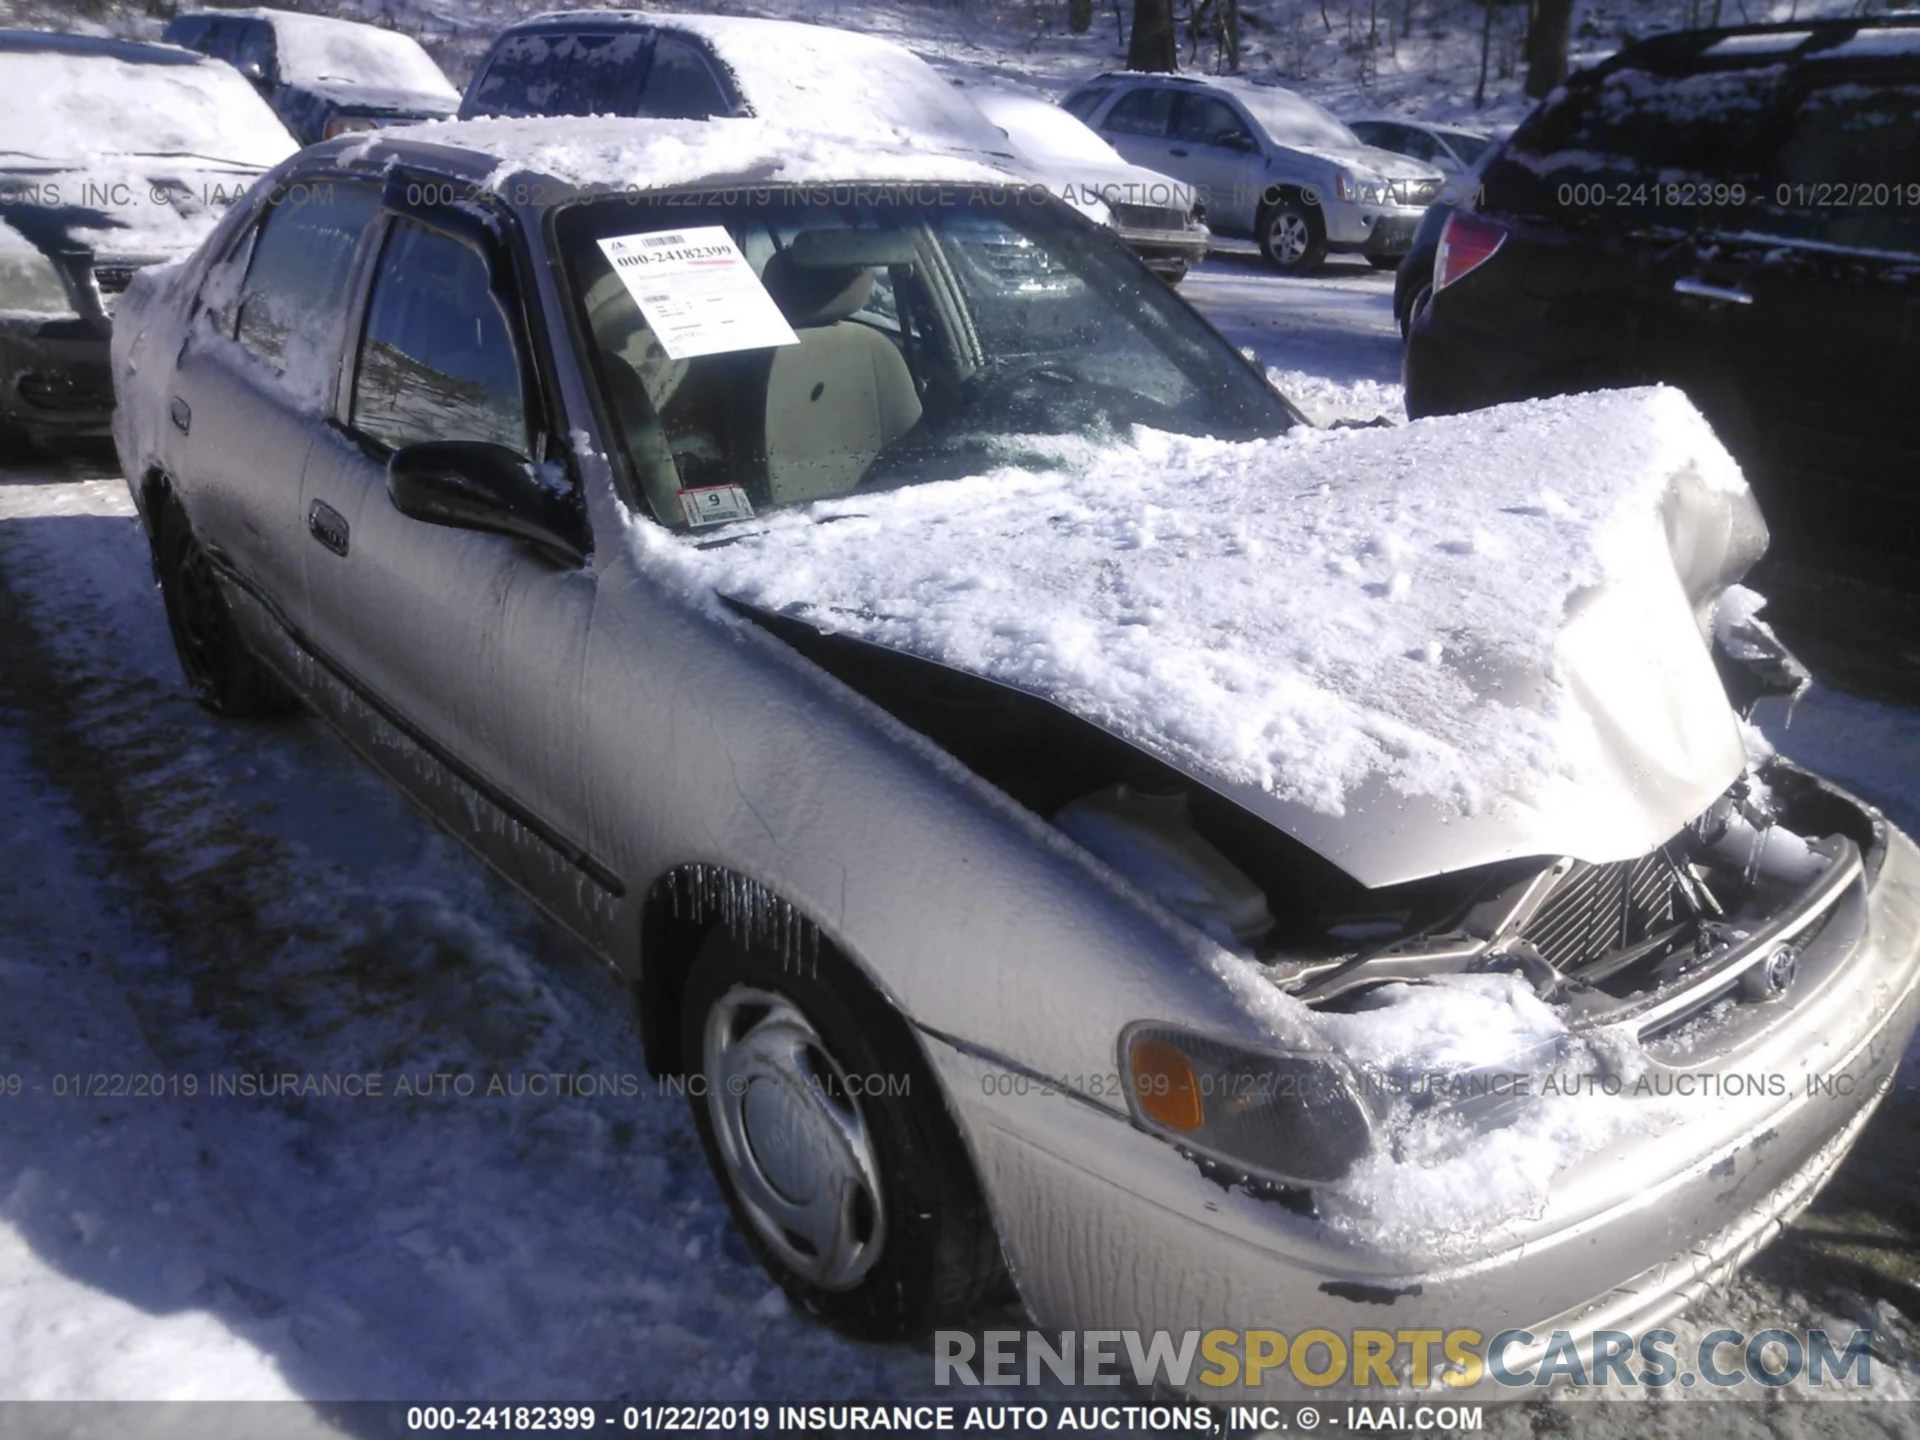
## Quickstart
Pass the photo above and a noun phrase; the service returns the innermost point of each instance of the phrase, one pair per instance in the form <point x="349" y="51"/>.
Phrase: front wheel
<point x="1384" y="262"/>
<point x="826" y="1130"/>
<point x="1293" y="237"/>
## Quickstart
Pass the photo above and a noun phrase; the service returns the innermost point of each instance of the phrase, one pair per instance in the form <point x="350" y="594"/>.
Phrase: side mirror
<point x="1234" y="140"/>
<point x="475" y="485"/>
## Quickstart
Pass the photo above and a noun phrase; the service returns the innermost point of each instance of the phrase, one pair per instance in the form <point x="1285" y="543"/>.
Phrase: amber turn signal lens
<point x="1165" y="1085"/>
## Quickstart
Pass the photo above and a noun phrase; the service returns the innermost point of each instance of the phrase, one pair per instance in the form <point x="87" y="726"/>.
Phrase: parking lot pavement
<point x="1336" y="325"/>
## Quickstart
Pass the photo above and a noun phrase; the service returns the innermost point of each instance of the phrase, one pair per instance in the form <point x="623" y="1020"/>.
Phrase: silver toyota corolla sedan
<point x="1078" y="823"/>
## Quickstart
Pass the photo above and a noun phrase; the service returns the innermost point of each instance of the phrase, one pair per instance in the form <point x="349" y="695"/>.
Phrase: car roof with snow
<point x="136" y="52"/>
<point x="600" y="155"/>
<point x="814" y="76"/>
<point x="326" y="47"/>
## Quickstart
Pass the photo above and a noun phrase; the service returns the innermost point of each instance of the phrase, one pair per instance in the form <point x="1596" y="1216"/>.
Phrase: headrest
<point x="813" y="295"/>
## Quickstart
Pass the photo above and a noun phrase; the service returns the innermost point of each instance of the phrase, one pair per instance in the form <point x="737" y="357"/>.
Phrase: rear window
<point x="1846" y="169"/>
<point x="1639" y="146"/>
<point x="562" y="74"/>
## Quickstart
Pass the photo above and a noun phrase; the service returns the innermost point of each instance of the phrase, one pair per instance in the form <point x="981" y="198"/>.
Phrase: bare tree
<point x="1486" y="47"/>
<point x="1153" y="45"/>
<point x="1079" y="16"/>
<point x="1547" y="45"/>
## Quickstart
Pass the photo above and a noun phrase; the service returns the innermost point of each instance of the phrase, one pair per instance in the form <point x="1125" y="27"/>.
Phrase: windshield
<point x="313" y="48"/>
<point x="77" y="107"/>
<point x="825" y="348"/>
<point x="1291" y="119"/>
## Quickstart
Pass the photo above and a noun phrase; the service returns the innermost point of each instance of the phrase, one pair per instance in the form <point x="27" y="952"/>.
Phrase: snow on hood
<point x="121" y="207"/>
<point x="1416" y="650"/>
<point x="80" y="108"/>
<point x="1073" y="161"/>
<point x="836" y="82"/>
<point x="1369" y="162"/>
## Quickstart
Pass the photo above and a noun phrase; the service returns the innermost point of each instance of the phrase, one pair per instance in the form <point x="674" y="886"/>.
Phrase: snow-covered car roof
<point x="70" y="97"/>
<point x="320" y="48"/>
<point x="601" y="153"/>
<point x="826" y="80"/>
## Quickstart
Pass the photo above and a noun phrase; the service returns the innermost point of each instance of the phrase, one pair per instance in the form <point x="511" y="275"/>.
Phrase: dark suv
<point x="1735" y="212"/>
<point x="323" y="77"/>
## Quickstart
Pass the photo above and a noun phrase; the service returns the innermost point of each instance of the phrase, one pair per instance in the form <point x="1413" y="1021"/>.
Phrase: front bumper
<point x="1109" y="1228"/>
<point x="1167" y="251"/>
<point x="55" y="380"/>
<point x="1381" y="231"/>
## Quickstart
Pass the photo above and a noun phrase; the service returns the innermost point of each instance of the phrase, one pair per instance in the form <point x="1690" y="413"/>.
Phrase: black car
<point x="323" y="77"/>
<point x="1735" y="212"/>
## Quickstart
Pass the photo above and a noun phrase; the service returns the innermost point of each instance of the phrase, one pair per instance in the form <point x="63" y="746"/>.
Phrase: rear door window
<point x="1145" y="111"/>
<point x="254" y="46"/>
<point x="549" y="73"/>
<point x="1208" y="120"/>
<point x="289" y="303"/>
<point x="437" y="355"/>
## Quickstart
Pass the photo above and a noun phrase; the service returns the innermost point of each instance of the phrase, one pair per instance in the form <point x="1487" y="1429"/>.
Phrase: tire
<point x="1174" y="273"/>
<point x="897" y="1238"/>
<point x="1384" y="262"/>
<point x="1292" y="235"/>
<point x="223" y="674"/>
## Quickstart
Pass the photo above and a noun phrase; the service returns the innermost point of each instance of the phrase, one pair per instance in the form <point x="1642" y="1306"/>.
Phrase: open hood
<point x="1415" y="650"/>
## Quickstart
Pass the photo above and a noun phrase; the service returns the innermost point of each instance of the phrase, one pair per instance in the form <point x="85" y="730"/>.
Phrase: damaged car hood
<point x="1415" y="650"/>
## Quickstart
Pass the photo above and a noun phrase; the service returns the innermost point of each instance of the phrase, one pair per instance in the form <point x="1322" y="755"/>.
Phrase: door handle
<point x="1701" y="290"/>
<point x="328" y="526"/>
<point x="182" y="415"/>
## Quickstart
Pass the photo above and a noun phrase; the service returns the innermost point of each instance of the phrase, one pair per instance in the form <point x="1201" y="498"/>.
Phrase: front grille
<point x="1148" y="217"/>
<point x="1598" y="910"/>
<point x="1416" y="192"/>
<point x="113" y="279"/>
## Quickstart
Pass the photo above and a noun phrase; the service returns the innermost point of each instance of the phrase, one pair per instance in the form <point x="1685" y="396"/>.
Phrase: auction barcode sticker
<point x="697" y="291"/>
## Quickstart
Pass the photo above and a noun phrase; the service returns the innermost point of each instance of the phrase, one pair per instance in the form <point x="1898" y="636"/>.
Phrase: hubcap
<point x="1288" y="237"/>
<point x="792" y="1138"/>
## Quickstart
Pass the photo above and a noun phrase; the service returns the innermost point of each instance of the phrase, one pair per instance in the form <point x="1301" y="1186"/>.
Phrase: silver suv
<point x="1267" y="163"/>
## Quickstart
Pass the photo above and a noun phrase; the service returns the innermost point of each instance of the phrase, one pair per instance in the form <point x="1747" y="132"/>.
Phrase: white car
<point x="1158" y="216"/>
<point x="1451" y="149"/>
<point x="1268" y="163"/>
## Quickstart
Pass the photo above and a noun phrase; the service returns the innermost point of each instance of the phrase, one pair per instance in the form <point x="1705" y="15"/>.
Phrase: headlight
<point x="347" y="125"/>
<point x="1343" y="186"/>
<point x="1293" y="1117"/>
<point x="29" y="283"/>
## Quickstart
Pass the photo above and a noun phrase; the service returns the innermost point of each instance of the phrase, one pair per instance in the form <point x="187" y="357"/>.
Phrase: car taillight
<point x="1466" y="243"/>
